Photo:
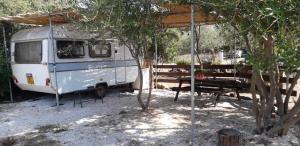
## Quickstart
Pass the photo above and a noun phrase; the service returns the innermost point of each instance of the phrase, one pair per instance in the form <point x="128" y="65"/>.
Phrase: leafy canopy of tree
<point x="15" y="7"/>
<point x="167" y="44"/>
<point x="133" y="22"/>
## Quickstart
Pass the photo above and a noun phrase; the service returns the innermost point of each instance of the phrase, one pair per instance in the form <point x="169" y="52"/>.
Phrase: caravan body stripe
<point x="88" y="65"/>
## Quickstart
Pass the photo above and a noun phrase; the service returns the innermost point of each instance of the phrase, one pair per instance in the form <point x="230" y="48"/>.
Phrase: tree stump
<point x="229" y="137"/>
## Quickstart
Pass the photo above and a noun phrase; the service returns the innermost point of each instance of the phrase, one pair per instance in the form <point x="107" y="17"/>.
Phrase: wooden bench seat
<point x="197" y="89"/>
<point x="216" y="90"/>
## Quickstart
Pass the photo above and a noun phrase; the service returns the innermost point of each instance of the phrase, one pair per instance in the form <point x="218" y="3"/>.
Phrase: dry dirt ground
<point x="118" y="121"/>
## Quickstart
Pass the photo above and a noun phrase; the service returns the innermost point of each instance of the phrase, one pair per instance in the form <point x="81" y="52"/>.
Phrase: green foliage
<point x="167" y="44"/>
<point x="210" y="38"/>
<point x="171" y="52"/>
<point x="14" y="7"/>
<point x="270" y="29"/>
<point x="260" y="20"/>
<point x="4" y="74"/>
<point x="230" y="37"/>
<point x="183" y="62"/>
<point x="216" y="62"/>
<point x="184" y="44"/>
<point x="130" y="21"/>
<point x="288" y="51"/>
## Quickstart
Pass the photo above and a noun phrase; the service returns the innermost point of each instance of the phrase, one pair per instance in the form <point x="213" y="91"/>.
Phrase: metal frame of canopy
<point x="187" y="16"/>
<point x="177" y="15"/>
<point x="56" y="17"/>
<point x="39" y="18"/>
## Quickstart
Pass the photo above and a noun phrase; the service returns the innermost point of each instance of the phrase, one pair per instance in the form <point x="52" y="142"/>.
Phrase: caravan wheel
<point x="101" y="90"/>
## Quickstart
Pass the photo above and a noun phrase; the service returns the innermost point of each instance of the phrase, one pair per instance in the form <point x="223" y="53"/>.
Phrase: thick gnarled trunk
<point x="270" y="101"/>
<point x="135" y="52"/>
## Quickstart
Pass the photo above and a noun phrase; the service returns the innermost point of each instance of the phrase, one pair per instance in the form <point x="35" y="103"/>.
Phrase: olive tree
<point x="133" y="22"/>
<point x="271" y="30"/>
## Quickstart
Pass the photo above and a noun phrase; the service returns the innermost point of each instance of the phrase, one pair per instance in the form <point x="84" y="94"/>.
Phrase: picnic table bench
<point x="241" y="74"/>
<point x="217" y="86"/>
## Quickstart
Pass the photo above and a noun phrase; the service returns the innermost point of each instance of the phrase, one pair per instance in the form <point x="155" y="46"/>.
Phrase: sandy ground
<point x="119" y="122"/>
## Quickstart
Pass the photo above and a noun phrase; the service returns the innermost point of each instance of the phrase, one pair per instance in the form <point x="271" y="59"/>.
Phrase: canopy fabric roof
<point x="38" y="18"/>
<point x="175" y="16"/>
<point x="59" y="32"/>
<point x="180" y="16"/>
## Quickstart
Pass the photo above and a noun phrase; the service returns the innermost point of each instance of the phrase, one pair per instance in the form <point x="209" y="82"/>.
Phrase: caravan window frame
<point x="28" y="62"/>
<point x="70" y="40"/>
<point x="101" y="55"/>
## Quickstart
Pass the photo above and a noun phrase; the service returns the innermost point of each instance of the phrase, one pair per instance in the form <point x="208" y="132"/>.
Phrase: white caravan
<point x="65" y="61"/>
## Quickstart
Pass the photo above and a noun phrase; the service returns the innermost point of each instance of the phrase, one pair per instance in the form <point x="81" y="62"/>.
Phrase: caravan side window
<point x="70" y="49"/>
<point x="28" y="52"/>
<point x="100" y="49"/>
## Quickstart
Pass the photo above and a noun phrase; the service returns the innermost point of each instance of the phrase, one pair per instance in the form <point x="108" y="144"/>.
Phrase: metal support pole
<point x="235" y="60"/>
<point x="192" y="71"/>
<point x="54" y="62"/>
<point x="156" y="60"/>
<point x="287" y="82"/>
<point x="235" y="53"/>
<point x="7" y="63"/>
<point x="201" y="51"/>
<point x="235" y="56"/>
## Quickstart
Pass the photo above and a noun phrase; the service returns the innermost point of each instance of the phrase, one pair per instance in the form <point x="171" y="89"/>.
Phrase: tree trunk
<point x="135" y="52"/>
<point x="135" y="55"/>
<point x="256" y="106"/>
<point x="140" y="76"/>
<point x="289" y="92"/>
<point x="198" y="46"/>
<point x="264" y="107"/>
<point x="282" y="125"/>
<point x="268" y="47"/>
<point x="147" y="105"/>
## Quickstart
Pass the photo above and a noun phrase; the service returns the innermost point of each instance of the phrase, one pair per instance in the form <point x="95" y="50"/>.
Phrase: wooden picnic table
<point x="218" y="86"/>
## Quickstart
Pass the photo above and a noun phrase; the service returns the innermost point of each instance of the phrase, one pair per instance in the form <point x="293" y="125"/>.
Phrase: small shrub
<point x="216" y="62"/>
<point x="182" y="62"/>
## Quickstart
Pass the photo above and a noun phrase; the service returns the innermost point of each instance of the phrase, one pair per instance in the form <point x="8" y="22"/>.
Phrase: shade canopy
<point x="180" y="16"/>
<point x="39" y="18"/>
<point x="175" y="15"/>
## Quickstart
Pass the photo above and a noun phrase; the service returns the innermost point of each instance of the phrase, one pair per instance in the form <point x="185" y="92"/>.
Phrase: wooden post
<point x="229" y="137"/>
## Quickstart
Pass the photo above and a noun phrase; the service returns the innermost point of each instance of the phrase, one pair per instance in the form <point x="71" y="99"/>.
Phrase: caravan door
<point x="120" y="63"/>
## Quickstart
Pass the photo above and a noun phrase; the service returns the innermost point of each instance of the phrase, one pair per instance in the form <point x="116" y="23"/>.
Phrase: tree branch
<point x="290" y="90"/>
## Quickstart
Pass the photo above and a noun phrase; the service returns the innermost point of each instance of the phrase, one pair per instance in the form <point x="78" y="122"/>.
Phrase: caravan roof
<point x="59" y="32"/>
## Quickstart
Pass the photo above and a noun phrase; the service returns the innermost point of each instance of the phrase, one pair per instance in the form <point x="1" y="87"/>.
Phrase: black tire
<point x="101" y="90"/>
<point x="199" y="93"/>
<point x="131" y="89"/>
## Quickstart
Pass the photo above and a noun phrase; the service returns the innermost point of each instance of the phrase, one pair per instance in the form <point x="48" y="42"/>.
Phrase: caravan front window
<point x="70" y="49"/>
<point x="100" y="49"/>
<point x="28" y="52"/>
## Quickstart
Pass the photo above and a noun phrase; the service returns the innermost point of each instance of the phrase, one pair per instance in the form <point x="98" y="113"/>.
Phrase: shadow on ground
<point x="119" y="121"/>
